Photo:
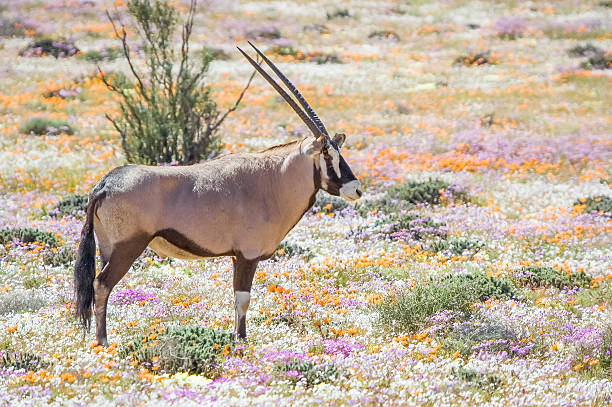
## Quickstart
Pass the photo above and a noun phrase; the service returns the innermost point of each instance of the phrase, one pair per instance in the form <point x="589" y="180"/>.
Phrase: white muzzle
<point x="350" y="191"/>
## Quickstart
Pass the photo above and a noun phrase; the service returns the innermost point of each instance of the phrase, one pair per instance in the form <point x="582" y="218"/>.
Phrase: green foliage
<point x="64" y="256"/>
<point x="290" y="250"/>
<point x="22" y="360"/>
<point x="456" y="292"/>
<point x="27" y="235"/>
<point x="600" y="204"/>
<point x="41" y="125"/>
<point x="384" y="35"/>
<point x="595" y="362"/>
<point x="34" y="282"/>
<point x="600" y="61"/>
<point x="409" y="193"/>
<point x="470" y="337"/>
<point x="297" y="370"/>
<point x="417" y="192"/>
<point x="480" y="58"/>
<point x="17" y="301"/>
<point x="338" y="13"/>
<point x="328" y="203"/>
<point x="192" y="349"/>
<point x="478" y="379"/>
<point x="57" y="47"/>
<point x="105" y="54"/>
<point x="71" y="205"/>
<point x="456" y="247"/>
<point x="536" y="276"/>
<point x="587" y="50"/>
<point x="415" y="225"/>
<point x="170" y="114"/>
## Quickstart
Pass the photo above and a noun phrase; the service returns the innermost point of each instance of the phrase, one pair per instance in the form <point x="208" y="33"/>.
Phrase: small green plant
<point x="587" y="50"/>
<point x="290" y="250"/>
<point x="22" y="360"/>
<point x="40" y="126"/>
<point x="339" y="13"/>
<point x="297" y="370"/>
<point x="536" y="276"/>
<point x="26" y="235"/>
<point x="104" y="54"/>
<point x="64" y="256"/>
<point x="479" y="58"/>
<point x="384" y="35"/>
<point x="478" y="379"/>
<point x="17" y="301"/>
<point x="601" y="204"/>
<point x="71" y="205"/>
<point x="328" y="203"/>
<point x="416" y="192"/>
<point x="284" y="50"/>
<point x="456" y="247"/>
<point x="34" y="282"/>
<point x="411" y="223"/>
<point x="600" y="61"/>
<point x="470" y="337"/>
<point x="170" y="115"/>
<point x="457" y="292"/>
<point x="192" y="349"/>
<point x="42" y="46"/>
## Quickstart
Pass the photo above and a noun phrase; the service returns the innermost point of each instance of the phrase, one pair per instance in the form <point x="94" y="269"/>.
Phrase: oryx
<point x="239" y="205"/>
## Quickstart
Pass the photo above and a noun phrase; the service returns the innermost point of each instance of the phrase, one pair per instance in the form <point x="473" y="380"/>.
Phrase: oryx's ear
<point x="339" y="139"/>
<point x="313" y="145"/>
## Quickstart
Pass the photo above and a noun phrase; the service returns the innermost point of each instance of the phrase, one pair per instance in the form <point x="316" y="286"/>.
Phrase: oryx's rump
<point x="242" y="203"/>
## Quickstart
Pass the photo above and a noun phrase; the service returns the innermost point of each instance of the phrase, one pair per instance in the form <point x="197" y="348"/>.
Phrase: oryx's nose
<point x="359" y="193"/>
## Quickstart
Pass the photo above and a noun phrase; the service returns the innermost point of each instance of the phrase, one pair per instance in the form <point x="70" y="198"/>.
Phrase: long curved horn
<point x="293" y="90"/>
<point x="305" y="118"/>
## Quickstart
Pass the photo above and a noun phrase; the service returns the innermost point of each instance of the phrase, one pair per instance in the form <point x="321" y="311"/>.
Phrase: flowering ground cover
<point x="476" y="269"/>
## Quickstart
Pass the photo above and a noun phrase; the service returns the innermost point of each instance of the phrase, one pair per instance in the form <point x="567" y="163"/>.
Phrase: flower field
<point x="475" y="270"/>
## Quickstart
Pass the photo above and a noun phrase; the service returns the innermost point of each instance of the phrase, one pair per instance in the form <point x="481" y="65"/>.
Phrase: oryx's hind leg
<point x="120" y="260"/>
<point x="244" y="270"/>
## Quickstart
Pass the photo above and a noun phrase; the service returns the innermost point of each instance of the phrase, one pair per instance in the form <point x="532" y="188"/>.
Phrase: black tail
<point x="85" y="269"/>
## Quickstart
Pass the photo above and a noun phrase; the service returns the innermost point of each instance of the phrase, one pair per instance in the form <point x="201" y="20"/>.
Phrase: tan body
<point x="240" y="203"/>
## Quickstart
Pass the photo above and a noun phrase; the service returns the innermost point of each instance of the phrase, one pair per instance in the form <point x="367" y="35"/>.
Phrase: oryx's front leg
<point x="244" y="270"/>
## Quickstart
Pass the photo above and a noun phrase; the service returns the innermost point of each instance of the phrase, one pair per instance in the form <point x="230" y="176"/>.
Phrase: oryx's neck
<point x="294" y="187"/>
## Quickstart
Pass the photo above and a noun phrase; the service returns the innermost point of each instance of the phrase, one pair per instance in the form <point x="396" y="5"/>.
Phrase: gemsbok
<point x="239" y="205"/>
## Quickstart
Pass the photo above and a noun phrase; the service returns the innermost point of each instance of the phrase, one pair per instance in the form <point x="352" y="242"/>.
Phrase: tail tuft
<point x="84" y="274"/>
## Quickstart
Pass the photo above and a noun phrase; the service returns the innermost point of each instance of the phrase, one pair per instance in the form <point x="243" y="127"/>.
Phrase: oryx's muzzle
<point x="351" y="190"/>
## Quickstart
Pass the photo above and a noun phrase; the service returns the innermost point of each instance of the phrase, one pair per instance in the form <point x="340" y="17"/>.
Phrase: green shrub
<point x="328" y="203"/>
<point x="64" y="256"/>
<point x="600" y="61"/>
<point x="587" y="50"/>
<point x="600" y="204"/>
<point x="22" y="360"/>
<point x="28" y="236"/>
<point x="290" y="250"/>
<point x="536" y="276"/>
<point x="18" y="301"/>
<point x="196" y="350"/>
<point x="40" y="126"/>
<point x="456" y="247"/>
<point x="415" y="225"/>
<point x="71" y="205"/>
<point x="409" y="193"/>
<point x="339" y="13"/>
<point x="105" y="54"/>
<point x="457" y="292"/>
<point x="478" y="379"/>
<point x="59" y="48"/>
<point x="470" y="337"/>
<point x="480" y="58"/>
<point x="297" y="370"/>
<point x="384" y="35"/>
<point x="170" y="116"/>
